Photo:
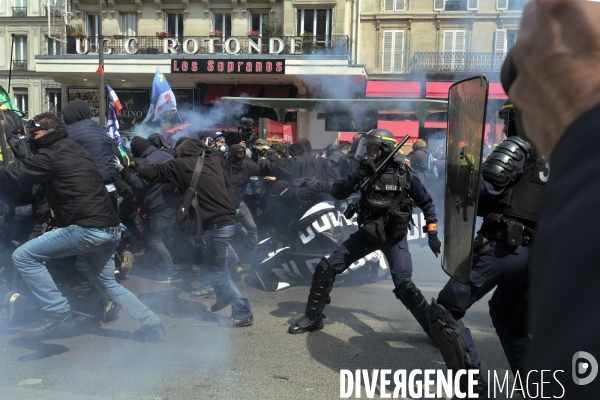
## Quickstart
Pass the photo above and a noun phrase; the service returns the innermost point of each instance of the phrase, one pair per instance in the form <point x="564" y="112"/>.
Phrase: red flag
<point x="100" y="70"/>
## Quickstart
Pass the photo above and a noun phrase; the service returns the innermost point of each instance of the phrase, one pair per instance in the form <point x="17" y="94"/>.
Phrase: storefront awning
<point x="278" y="91"/>
<point x="248" y="90"/>
<point x="216" y="91"/>
<point x="439" y="90"/>
<point x="393" y="89"/>
<point x="496" y="91"/>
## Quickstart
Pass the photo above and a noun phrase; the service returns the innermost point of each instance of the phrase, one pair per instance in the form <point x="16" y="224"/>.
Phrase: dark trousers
<point x="155" y="247"/>
<point x="357" y="246"/>
<point x="501" y="266"/>
<point x="244" y="218"/>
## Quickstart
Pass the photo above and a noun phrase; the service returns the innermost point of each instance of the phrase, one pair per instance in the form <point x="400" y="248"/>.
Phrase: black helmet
<point x="379" y="137"/>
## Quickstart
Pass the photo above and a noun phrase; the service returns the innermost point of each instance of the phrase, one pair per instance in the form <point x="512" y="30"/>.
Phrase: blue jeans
<point x="96" y="248"/>
<point x="216" y="249"/>
<point x="155" y="246"/>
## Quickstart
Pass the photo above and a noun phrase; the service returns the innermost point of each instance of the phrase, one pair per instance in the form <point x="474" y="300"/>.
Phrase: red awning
<point x="436" y="124"/>
<point x="398" y="128"/>
<point x="496" y="91"/>
<point x="215" y="92"/>
<point x="437" y="90"/>
<point x="247" y="90"/>
<point x="393" y="89"/>
<point x="277" y="91"/>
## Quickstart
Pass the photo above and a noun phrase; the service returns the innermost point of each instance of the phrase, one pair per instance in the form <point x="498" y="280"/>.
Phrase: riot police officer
<point x="509" y="196"/>
<point x="384" y="213"/>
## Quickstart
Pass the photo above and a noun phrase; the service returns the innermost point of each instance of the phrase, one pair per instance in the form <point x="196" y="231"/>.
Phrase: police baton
<point x="385" y="163"/>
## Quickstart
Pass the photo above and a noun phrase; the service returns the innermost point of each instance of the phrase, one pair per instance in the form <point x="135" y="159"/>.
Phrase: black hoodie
<point x="69" y="178"/>
<point x="302" y="164"/>
<point x="215" y="206"/>
<point x="89" y="135"/>
<point x="239" y="170"/>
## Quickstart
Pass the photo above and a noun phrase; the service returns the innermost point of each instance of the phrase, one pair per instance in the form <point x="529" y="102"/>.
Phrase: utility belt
<point x="500" y="227"/>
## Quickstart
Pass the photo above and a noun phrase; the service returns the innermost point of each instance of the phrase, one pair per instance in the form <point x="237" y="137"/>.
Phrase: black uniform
<point x="509" y="203"/>
<point x="385" y="211"/>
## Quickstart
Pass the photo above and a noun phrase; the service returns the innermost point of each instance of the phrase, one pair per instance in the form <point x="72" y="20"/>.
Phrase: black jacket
<point x="151" y="196"/>
<point x="239" y="170"/>
<point x="91" y="137"/>
<point x="69" y="178"/>
<point x="302" y="165"/>
<point x="564" y="276"/>
<point x="215" y="206"/>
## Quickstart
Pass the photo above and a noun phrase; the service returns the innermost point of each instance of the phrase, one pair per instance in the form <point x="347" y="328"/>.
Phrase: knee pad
<point x="409" y="294"/>
<point x="446" y="330"/>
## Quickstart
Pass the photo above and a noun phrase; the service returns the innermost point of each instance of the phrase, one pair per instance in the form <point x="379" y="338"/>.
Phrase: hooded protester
<point x="86" y="225"/>
<point x="217" y="216"/>
<point x="160" y="142"/>
<point x="240" y="169"/>
<point x="302" y="163"/>
<point x="155" y="204"/>
<point x="350" y="162"/>
<point x="91" y="136"/>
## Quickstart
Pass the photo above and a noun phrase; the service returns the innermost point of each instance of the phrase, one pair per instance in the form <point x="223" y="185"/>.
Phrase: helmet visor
<point x="361" y="150"/>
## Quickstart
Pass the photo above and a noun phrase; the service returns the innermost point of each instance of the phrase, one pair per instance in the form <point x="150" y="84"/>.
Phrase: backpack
<point x="188" y="207"/>
<point x="13" y="139"/>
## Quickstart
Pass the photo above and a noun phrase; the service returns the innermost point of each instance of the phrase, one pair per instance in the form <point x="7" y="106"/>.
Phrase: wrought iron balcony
<point x="456" y="62"/>
<point x="19" y="11"/>
<point x="19" y="65"/>
<point x="55" y="11"/>
<point x="331" y="45"/>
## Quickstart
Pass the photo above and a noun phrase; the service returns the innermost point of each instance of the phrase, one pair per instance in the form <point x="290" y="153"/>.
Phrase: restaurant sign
<point x="221" y="66"/>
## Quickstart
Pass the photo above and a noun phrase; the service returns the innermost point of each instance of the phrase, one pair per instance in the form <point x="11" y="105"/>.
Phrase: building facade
<point x="212" y="48"/>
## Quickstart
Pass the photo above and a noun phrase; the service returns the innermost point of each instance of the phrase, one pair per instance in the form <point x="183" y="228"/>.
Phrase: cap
<point x="261" y="144"/>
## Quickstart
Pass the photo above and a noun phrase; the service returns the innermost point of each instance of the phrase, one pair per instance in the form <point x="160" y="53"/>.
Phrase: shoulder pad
<point x="503" y="164"/>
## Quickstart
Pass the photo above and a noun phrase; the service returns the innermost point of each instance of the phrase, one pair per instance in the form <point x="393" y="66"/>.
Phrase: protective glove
<point x="434" y="243"/>
<point x="367" y="167"/>
<point x="118" y="164"/>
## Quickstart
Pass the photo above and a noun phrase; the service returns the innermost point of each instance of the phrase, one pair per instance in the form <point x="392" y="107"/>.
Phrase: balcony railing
<point x="19" y="65"/>
<point x="332" y="45"/>
<point x="456" y="62"/>
<point x="19" y="11"/>
<point x="55" y="11"/>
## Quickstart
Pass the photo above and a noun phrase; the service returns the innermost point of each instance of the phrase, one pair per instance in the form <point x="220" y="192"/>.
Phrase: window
<point x="21" y="48"/>
<point x="393" y="51"/>
<point x="91" y="29"/>
<point x="500" y="41"/>
<point x="174" y="25"/>
<point x="511" y="38"/>
<point x="394" y="5"/>
<point x="516" y="4"/>
<point x="53" y="101"/>
<point x="20" y="8"/>
<point x="128" y="24"/>
<point x="53" y="47"/>
<point x="501" y="4"/>
<point x="318" y="22"/>
<point x="22" y="100"/>
<point x="438" y="5"/>
<point x="256" y="21"/>
<point x="454" y="49"/>
<point x="222" y="22"/>
<point x="456" y="5"/>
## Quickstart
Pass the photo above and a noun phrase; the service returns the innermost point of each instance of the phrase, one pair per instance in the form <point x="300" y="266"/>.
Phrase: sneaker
<point x="48" y="324"/>
<point x="175" y="278"/>
<point x="126" y="263"/>
<point x="203" y="293"/>
<point x="154" y="334"/>
<point x="14" y="305"/>
<point x="237" y="322"/>
<point x="110" y="309"/>
<point x="78" y="287"/>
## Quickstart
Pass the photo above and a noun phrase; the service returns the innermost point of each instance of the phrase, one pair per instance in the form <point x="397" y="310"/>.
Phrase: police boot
<point x="322" y="283"/>
<point x="413" y="300"/>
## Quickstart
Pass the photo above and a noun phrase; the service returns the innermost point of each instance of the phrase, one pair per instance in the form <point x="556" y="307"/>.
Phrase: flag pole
<point x="12" y="46"/>
<point x="102" y="98"/>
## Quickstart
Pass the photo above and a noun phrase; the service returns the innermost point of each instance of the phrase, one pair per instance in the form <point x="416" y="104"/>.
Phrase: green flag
<point x="5" y="101"/>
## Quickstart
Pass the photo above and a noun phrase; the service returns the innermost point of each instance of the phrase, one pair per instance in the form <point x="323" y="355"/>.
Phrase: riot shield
<point x="467" y="101"/>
